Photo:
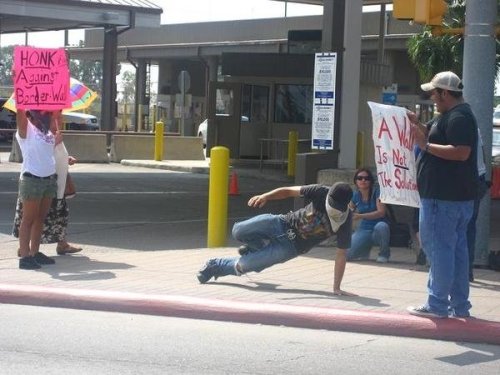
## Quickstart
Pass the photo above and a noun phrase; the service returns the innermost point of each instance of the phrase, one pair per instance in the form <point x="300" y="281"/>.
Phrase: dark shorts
<point x="37" y="188"/>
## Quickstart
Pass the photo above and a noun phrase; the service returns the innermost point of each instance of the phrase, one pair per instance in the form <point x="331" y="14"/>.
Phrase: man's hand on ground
<point x="340" y="292"/>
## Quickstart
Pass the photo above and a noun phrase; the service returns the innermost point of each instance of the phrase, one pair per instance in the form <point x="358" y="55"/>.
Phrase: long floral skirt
<point x="55" y="225"/>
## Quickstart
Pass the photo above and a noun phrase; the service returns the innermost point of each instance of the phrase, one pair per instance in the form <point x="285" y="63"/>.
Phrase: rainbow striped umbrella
<point x="81" y="97"/>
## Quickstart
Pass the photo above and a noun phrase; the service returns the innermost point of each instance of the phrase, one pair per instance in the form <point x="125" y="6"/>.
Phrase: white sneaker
<point x="424" y="312"/>
<point x="381" y="259"/>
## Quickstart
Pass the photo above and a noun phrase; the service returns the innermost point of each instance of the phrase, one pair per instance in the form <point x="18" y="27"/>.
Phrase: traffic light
<point x="403" y="9"/>
<point x="430" y="12"/>
<point x="427" y="12"/>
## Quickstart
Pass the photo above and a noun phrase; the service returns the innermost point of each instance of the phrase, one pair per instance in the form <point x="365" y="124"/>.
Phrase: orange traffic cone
<point x="233" y="184"/>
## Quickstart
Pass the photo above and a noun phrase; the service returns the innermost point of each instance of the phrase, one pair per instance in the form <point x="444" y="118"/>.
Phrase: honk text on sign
<point x="41" y="78"/>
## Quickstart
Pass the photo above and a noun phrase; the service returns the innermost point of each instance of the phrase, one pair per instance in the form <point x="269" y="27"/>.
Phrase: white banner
<point x="394" y="155"/>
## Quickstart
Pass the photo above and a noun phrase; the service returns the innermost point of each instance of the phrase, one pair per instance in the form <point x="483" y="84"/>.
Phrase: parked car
<point x="496" y="117"/>
<point x="202" y="132"/>
<point x="202" y="129"/>
<point x="7" y="121"/>
<point x="80" y="121"/>
<point x="495" y="144"/>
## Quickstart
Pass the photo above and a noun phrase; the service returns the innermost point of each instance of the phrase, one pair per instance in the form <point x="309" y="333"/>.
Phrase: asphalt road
<point x="57" y="341"/>
<point x="138" y="208"/>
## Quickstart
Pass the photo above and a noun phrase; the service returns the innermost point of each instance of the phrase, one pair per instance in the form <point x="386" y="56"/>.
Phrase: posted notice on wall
<point x="41" y="78"/>
<point x="325" y="70"/>
<point x="394" y="155"/>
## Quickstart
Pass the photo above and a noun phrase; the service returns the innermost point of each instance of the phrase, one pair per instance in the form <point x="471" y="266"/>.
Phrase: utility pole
<point x="479" y="80"/>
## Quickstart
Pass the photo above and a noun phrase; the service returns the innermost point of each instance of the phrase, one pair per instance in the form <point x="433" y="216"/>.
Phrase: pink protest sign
<point x="41" y="78"/>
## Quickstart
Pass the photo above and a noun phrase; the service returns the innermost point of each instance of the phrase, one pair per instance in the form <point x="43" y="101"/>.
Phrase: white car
<point x="495" y="144"/>
<point x="202" y="129"/>
<point x="496" y="117"/>
<point x="202" y="132"/>
<point x="80" y="121"/>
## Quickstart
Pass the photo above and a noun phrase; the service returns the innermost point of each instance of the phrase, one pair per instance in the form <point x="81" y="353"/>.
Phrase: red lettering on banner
<point x="382" y="156"/>
<point x="384" y="179"/>
<point x="399" y="159"/>
<point x="402" y="180"/>
<point x="405" y="137"/>
<point x="384" y="128"/>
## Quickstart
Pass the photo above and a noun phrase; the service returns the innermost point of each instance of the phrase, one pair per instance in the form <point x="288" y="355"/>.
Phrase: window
<point x="224" y="102"/>
<point x="293" y="104"/>
<point x="255" y="103"/>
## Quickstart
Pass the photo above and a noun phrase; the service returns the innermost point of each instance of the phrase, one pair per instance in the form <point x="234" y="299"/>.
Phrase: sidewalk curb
<point x="467" y="330"/>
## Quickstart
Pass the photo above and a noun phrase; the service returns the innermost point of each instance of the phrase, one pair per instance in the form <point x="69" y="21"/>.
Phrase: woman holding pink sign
<point x="37" y="134"/>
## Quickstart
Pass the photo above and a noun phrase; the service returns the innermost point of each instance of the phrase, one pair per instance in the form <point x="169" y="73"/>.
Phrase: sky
<point x="184" y="11"/>
<point x="175" y="11"/>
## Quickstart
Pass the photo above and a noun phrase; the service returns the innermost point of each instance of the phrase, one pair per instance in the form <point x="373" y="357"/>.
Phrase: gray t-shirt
<point x="311" y="223"/>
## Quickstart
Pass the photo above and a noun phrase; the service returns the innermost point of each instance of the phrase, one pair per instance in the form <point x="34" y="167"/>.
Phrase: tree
<point x="6" y="60"/>
<point x="87" y="71"/>
<point x="433" y="54"/>
<point x="128" y="84"/>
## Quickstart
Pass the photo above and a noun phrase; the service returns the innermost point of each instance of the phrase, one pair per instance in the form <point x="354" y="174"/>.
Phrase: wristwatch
<point x="427" y="147"/>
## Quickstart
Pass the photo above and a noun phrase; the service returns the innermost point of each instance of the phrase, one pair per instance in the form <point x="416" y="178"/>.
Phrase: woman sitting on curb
<point x="372" y="229"/>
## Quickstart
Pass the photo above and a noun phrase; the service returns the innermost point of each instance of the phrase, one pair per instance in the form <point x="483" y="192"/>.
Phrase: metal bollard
<point x="159" y="141"/>
<point x="360" y="149"/>
<point x="218" y="196"/>
<point x="293" y="144"/>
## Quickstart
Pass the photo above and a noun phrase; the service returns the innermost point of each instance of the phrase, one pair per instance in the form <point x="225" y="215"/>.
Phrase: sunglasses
<point x="363" y="178"/>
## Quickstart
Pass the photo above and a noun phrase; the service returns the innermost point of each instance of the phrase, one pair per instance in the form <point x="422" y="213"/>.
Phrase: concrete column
<point x="108" y="103"/>
<point x="342" y="34"/>
<point x="140" y="94"/>
<point x="479" y="80"/>
<point x="211" y="76"/>
<point x="350" y="83"/>
<point x="381" y="34"/>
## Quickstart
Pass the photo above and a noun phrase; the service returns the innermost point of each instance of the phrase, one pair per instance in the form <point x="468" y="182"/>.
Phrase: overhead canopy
<point x="320" y="2"/>
<point x="44" y="15"/>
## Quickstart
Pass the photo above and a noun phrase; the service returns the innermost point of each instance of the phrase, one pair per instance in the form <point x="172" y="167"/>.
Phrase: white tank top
<point x="38" y="152"/>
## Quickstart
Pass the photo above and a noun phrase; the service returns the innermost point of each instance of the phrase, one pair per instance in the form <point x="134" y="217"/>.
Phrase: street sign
<point x="325" y="71"/>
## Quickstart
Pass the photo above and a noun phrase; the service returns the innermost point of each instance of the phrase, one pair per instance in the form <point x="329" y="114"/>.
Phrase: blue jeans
<point x="443" y="233"/>
<point x="364" y="239"/>
<point x="269" y="240"/>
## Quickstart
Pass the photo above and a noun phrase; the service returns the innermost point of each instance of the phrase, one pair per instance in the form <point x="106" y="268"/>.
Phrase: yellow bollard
<point x="360" y="149"/>
<point x="293" y="145"/>
<point x="124" y="118"/>
<point x="217" y="196"/>
<point x="159" y="141"/>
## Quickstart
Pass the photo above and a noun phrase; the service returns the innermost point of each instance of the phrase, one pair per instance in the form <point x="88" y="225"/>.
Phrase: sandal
<point x="68" y="250"/>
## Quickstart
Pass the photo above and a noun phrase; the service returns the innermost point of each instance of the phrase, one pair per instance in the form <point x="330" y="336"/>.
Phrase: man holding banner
<point x="447" y="181"/>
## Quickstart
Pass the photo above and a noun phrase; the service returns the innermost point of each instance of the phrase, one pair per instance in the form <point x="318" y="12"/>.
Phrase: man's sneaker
<point x="421" y="258"/>
<point x="382" y="259"/>
<point x="243" y="249"/>
<point x="41" y="258"/>
<point x="453" y="314"/>
<point x="424" y="312"/>
<point x="208" y="271"/>
<point x="28" y="263"/>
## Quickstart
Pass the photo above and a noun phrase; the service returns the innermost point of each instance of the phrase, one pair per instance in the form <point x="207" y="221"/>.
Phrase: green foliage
<point x="88" y="72"/>
<point x="128" y="83"/>
<point x="433" y="54"/>
<point x="6" y="61"/>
